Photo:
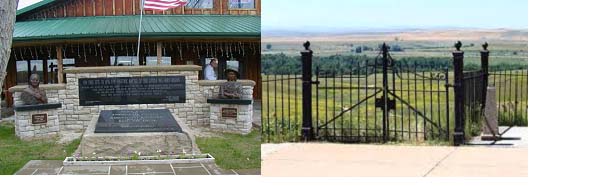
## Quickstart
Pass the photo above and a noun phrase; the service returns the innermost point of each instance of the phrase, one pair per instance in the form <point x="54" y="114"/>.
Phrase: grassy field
<point x="15" y="153"/>
<point x="282" y="105"/>
<point x="234" y="151"/>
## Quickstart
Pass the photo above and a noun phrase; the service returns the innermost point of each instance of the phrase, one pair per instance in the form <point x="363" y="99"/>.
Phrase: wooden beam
<point x="84" y="7"/>
<point x="59" y="61"/>
<point x="128" y="39"/>
<point x="159" y="53"/>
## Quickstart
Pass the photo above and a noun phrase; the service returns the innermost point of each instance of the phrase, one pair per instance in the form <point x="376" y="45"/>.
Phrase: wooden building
<point x="53" y="35"/>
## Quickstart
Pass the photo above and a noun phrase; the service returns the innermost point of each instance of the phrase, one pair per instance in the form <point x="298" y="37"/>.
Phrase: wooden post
<point x="59" y="61"/>
<point x="159" y="53"/>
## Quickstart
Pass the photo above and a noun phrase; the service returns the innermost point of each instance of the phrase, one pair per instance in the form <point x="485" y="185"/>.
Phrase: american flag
<point x="163" y="4"/>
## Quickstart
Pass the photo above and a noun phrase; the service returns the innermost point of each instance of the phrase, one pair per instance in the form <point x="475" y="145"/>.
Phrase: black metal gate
<point x="377" y="100"/>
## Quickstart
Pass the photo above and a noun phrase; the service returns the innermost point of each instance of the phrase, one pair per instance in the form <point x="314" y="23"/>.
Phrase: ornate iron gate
<point x="379" y="101"/>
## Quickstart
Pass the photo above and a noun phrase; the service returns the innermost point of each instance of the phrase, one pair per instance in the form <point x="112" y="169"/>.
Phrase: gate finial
<point x="306" y="45"/>
<point x="458" y="45"/>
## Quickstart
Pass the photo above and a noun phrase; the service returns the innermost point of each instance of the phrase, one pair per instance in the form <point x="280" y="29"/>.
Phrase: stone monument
<point x="490" y="128"/>
<point x="34" y="117"/>
<point x="228" y="112"/>
<point x="147" y="131"/>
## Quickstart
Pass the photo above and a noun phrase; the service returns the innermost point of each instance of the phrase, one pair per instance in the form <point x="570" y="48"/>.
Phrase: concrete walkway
<point x="328" y="159"/>
<point x="55" y="167"/>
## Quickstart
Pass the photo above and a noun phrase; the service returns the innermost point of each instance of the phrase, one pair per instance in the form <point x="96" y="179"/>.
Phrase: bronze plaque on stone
<point x="229" y="112"/>
<point x="39" y="118"/>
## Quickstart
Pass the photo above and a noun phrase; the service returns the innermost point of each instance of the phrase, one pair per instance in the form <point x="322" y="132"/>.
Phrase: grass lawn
<point x="15" y="153"/>
<point x="234" y="151"/>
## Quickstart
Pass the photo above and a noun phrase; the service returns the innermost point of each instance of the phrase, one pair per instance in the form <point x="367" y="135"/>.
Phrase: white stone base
<point x="490" y="127"/>
<point x="125" y="144"/>
<point x="240" y="125"/>
<point x="25" y="129"/>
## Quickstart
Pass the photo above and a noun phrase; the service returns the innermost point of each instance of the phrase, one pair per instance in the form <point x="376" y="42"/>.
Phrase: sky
<point x="363" y="14"/>
<point x="25" y="3"/>
<point x="313" y="15"/>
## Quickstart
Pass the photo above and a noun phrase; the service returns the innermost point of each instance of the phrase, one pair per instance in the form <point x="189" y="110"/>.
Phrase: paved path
<point x="55" y="167"/>
<point x="328" y="159"/>
<point x="325" y="159"/>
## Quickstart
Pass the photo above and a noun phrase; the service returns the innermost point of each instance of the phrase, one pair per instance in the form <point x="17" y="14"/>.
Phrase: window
<point x="153" y="61"/>
<point x="66" y="64"/>
<point x="232" y="65"/>
<point x="200" y="4"/>
<point x="26" y="68"/>
<point x="124" y="61"/>
<point x="22" y="72"/>
<point x="52" y="69"/>
<point x="37" y="67"/>
<point x="241" y="4"/>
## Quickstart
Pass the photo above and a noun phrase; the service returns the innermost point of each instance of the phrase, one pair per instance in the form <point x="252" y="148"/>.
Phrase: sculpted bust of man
<point x="231" y="89"/>
<point x="33" y="95"/>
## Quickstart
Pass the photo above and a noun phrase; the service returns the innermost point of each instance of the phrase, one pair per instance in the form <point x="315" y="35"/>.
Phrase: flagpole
<point x="139" y="36"/>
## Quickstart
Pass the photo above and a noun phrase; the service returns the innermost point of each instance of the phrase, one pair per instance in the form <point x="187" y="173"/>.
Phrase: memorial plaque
<point x="146" y="120"/>
<point x="229" y="113"/>
<point x="39" y="118"/>
<point x="131" y="90"/>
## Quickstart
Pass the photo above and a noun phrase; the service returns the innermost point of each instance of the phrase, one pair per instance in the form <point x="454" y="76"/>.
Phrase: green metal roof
<point x="34" y="6"/>
<point x="127" y="26"/>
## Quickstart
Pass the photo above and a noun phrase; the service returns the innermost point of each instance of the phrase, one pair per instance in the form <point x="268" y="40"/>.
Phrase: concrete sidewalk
<point x="55" y="167"/>
<point x="327" y="159"/>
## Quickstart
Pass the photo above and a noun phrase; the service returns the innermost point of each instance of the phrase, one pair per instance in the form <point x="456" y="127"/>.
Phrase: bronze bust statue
<point x="33" y="95"/>
<point x="231" y="89"/>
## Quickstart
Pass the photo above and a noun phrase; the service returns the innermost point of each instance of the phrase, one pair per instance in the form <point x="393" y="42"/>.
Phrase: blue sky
<point x="306" y="15"/>
<point x="362" y="14"/>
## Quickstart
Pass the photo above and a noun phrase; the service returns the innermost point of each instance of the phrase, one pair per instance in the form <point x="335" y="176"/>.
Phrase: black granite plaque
<point x="146" y="120"/>
<point x="131" y="90"/>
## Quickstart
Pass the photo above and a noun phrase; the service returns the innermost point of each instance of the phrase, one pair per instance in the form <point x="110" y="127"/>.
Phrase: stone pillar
<point x="490" y="129"/>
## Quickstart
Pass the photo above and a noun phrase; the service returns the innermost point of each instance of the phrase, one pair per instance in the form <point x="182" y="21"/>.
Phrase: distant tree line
<point x="363" y="48"/>
<point x="358" y="64"/>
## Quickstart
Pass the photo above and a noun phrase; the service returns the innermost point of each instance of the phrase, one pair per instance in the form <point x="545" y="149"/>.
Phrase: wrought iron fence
<point x="511" y="96"/>
<point x="281" y="107"/>
<point x="386" y="100"/>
